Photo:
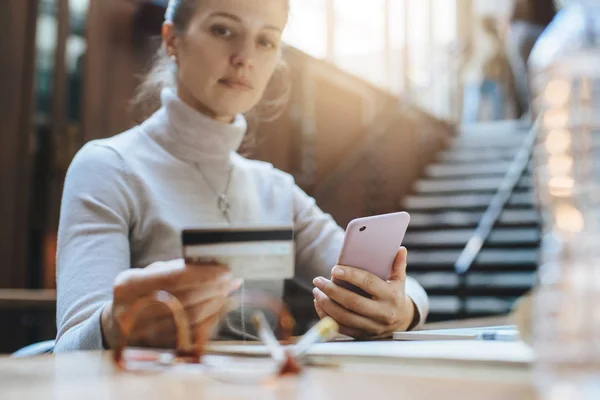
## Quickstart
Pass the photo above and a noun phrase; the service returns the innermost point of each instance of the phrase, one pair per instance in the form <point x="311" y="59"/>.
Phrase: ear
<point x="169" y="38"/>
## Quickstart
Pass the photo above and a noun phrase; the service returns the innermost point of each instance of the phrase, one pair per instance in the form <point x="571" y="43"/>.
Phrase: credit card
<point x="251" y="253"/>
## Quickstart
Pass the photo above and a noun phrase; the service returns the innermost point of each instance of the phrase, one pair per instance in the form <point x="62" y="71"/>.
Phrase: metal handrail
<point x="496" y="206"/>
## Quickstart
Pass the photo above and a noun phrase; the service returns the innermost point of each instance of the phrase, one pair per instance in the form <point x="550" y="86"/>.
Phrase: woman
<point x="127" y="198"/>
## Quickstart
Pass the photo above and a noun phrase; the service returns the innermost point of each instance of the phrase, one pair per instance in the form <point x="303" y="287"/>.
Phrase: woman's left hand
<point x="388" y="310"/>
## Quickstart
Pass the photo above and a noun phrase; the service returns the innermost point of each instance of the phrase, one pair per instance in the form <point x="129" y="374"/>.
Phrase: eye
<point x="266" y="43"/>
<point x="222" y="31"/>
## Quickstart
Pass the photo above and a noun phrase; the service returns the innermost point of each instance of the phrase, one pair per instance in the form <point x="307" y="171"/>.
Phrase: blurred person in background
<point x="486" y="75"/>
<point x="528" y="20"/>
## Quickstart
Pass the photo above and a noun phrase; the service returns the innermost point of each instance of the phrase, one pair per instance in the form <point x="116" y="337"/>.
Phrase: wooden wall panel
<point x="111" y="69"/>
<point x="110" y="75"/>
<point x="17" y="38"/>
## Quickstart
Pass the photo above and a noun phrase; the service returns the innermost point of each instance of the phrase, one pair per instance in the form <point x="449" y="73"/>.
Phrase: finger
<point x="194" y="296"/>
<point x="161" y="329"/>
<point x="160" y="335"/>
<point x="204" y="331"/>
<point x="355" y="333"/>
<point x="163" y="334"/>
<point x="172" y="276"/>
<point x="145" y="318"/>
<point x="342" y="329"/>
<point x="399" y="268"/>
<point x="322" y="314"/>
<point x="162" y="340"/>
<point x="354" y="302"/>
<point x="192" y="290"/>
<point x="155" y="312"/>
<point x="346" y="317"/>
<point x="366" y="281"/>
<point x="176" y="274"/>
<point x="200" y="313"/>
<point x="192" y="275"/>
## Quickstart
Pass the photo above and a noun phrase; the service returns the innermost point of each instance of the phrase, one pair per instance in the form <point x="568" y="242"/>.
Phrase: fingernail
<point x="337" y="271"/>
<point x="235" y="284"/>
<point x="316" y="293"/>
<point x="319" y="282"/>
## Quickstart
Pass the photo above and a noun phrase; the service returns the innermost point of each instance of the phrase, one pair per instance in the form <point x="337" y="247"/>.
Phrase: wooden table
<point x="91" y="375"/>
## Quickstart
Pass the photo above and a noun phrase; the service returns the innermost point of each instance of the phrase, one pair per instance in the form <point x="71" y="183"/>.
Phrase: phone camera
<point x="363" y="229"/>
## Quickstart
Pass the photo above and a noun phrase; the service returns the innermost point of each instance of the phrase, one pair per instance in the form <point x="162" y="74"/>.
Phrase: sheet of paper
<point x="463" y="350"/>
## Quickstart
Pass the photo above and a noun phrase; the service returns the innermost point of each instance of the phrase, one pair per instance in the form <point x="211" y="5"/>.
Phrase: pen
<point x="268" y="337"/>
<point x="507" y="336"/>
<point x="497" y="335"/>
<point x="322" y="331"/>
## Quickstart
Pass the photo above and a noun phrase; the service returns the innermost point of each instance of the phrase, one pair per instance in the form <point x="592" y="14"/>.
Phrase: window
<point x="352" y="34"/>
<point x="307" y="27"/>
<point x="359" y="38"/>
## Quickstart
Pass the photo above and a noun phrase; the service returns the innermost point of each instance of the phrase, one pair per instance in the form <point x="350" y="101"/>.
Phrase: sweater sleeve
<point x="318" y="243"/>
<point x="93" y="244"/>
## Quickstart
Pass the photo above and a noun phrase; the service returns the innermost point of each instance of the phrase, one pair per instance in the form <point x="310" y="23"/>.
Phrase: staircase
<point x="447" y="206"/>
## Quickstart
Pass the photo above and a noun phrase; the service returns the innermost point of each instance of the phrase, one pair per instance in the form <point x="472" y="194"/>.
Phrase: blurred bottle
<point x="565" y="83"/>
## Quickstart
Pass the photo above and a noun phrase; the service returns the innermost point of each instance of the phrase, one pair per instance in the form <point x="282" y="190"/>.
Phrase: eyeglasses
<point x="190" y="350"/>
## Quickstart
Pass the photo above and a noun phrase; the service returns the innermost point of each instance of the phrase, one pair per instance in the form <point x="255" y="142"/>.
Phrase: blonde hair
<point x="163" y="74"/>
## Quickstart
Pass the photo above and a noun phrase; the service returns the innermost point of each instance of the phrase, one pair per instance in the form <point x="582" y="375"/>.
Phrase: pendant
<point x="223" y="204"/>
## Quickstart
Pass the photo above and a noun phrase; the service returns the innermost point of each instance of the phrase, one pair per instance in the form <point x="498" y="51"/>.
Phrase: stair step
<point x="438" y="317"/>
<point x="488" y="260"/>
<point x="463" y="202"/>
<point x="479" y="291"/>
<point x="467" y="170"/>
<point x="478" y="156"/>
<point x="500" y="128"/>
<point x="476" y="279"/>
<point x="459" y="238"/>
<point x="476" y="284"/>
<point x="475" y="305"/>
<point x="500" y="141"/>
<point x="464" y="219"/>
<point x="434" y="186"/>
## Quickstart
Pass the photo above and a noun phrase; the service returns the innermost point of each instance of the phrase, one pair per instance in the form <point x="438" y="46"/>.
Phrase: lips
<point x="236" y="83"/>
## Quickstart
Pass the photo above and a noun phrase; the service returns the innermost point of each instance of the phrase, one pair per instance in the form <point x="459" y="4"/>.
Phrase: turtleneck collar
<point x="192" y="136"/>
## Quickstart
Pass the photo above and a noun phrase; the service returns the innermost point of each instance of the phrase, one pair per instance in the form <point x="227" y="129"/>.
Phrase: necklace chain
<point x="223" y="203"/>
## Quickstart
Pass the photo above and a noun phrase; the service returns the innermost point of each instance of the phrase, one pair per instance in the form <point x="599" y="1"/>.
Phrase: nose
<point x="243" y="55"/>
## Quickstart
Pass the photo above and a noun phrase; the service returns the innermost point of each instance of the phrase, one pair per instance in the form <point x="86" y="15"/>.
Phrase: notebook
<point x="511" y="353"/>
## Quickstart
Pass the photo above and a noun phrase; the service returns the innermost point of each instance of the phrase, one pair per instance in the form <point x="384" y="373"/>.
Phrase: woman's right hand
<point x="203" y="290"/>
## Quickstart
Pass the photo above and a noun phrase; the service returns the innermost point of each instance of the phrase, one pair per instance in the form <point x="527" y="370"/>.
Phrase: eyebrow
<point x="238" y="19"/>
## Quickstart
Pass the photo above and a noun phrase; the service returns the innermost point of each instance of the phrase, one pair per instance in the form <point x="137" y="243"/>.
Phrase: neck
<point x="193" y="136"/>
<point x="188" y="98"/>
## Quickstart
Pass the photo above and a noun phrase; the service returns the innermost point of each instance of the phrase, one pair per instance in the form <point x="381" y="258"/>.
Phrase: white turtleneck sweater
<point x="127" y="198"/>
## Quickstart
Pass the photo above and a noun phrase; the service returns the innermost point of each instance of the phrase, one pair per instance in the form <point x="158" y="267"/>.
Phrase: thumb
<point x="398" y="273"/>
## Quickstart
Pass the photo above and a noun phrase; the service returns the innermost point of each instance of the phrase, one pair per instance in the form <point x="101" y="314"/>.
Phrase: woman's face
<point x="227" y="54"/>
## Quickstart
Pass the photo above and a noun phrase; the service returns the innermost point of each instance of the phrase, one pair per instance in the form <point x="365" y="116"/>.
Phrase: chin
<point x="232" y="106"/>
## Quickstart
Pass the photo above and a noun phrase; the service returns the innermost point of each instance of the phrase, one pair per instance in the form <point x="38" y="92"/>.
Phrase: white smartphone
<point x="371" y="244"/>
